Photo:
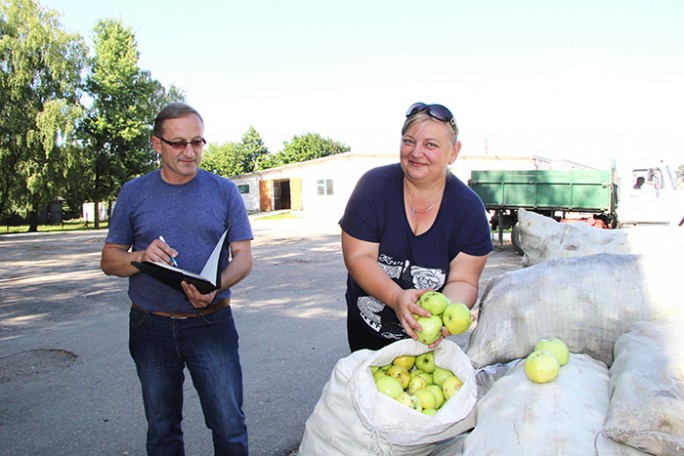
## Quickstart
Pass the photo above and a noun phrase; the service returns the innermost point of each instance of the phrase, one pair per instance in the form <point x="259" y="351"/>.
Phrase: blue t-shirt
<point x="376" y="213"/>
<point x="191" y="217"/>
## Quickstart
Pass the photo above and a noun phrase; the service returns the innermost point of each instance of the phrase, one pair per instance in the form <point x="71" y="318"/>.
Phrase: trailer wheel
<point x="515" y="239"/>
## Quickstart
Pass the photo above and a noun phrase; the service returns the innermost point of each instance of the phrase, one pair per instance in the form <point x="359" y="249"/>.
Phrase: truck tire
<point x="515" y="239"/>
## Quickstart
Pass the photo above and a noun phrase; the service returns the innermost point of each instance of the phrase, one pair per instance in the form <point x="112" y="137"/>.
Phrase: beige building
<point x="323" y="186"/>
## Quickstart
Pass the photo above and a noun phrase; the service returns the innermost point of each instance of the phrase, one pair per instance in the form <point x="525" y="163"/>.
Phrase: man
<point x="190" y="209"/>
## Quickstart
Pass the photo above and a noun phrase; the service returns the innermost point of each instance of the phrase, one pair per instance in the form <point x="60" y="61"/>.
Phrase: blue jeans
<point x="208" y="346"/>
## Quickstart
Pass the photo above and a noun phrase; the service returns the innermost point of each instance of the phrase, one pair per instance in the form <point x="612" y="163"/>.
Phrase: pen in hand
<point x="173" y="260"/>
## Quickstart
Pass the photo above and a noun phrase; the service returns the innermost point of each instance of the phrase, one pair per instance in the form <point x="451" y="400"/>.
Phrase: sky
<point x="591" y="81"/>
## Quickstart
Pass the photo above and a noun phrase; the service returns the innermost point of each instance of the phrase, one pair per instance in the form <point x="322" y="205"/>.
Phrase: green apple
<point x="427" y="398"/>
<point x="378" y="374"/>
<point x="401" y="374"/>
<point x="389" y="386"/>
<point x="406" y="361"/>
<point x="439" y="395"/>
<point x="426" y="362"/>
<point x="457" y="318"/>
<point x="440" y="374"/>
<point x="409" y="400"/>
<point x="431" y="329"/>
<point x="555" y="346"/>
<point x="542" y="366"/>
<point x="386" y="366"/>
<point x="416" y="371"/>
<point x="416" y="383"/>
<point x="428" y="378"/>
<point x="431" y="412"/>
<point x="450" y="386"/>
<point x="434" y="302"/>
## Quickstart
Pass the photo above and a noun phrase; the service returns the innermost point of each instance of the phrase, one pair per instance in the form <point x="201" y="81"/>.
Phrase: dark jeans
<point x="208" y="346"/>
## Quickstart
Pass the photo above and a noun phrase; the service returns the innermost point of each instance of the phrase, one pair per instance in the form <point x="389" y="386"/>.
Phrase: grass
<point x="66" y="225"/>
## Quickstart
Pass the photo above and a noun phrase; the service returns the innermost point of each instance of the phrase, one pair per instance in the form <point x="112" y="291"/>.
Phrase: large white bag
<point x="588" y="302"/>
<point x="563" y="417"/>
<point x="647" y="388"/>
<point x="353" y="418"/>
<point x="542" y="238"/>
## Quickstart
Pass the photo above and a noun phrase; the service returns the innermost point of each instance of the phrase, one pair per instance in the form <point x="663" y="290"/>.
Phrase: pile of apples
<point x="417" y="382"/>
<point x="544" y="363"/>
<point x="454" y="316"/>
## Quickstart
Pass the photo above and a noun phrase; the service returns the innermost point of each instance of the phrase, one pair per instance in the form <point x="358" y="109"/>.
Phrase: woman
<point x="409" y="227"/>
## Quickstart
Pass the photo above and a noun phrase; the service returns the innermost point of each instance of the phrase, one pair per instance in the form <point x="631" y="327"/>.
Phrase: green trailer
<point x="589" y="195"/>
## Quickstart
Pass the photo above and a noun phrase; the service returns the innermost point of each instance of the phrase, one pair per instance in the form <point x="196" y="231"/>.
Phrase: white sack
<point x="588" y="302"/>
<point x="352" y="418"/>
<point x="563" y="417"/>
<point x="647" y="388"/>
<point x="542" y="238"/>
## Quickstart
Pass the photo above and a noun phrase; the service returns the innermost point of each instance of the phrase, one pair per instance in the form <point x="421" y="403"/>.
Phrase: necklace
<point x="415" y="211"/>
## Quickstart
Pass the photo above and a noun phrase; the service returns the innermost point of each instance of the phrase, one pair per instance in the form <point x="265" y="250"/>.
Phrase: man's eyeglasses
<point x="436" y="111"/>
<point x="196" y="144"/>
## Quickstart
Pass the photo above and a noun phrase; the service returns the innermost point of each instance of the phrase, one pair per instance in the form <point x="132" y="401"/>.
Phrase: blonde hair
<point x="421" y="118"/>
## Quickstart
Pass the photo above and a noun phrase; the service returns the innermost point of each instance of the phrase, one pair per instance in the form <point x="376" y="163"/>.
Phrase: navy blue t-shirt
<point x="376" y="213"/>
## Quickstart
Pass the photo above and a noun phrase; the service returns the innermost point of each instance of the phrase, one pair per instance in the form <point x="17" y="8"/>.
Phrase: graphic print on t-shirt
<point x="381" y="318"/>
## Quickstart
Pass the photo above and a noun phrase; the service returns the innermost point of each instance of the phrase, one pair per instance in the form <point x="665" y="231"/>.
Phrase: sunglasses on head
<point x="196" y="144"/>
<point x="436" y="111"/>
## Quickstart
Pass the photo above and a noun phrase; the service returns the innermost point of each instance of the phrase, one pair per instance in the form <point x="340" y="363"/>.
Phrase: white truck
<point x="651" y="196"/>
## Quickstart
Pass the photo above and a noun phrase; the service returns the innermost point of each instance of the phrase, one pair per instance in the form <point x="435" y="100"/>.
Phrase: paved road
<point x="68" y="385"/>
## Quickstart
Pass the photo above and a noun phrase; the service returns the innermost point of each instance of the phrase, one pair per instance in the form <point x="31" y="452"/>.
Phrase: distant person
<point x="409" y="227"/>
<point x="639" y="182"/>
<point x="169" y="330"/>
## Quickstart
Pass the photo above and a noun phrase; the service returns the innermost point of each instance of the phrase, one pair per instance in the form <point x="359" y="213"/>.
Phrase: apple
<point x="416" y="371"/>
<point x="378" y="374"/>
<point x="406" y="361"/>
<point x="439" y="395"/>
<point x="440" y="374"/>
<point x="416" y="383"/>
<point x="555" y="346"/>
<point x="542" y="366"/>
<point x="409" y="400"/>
<point x="431" y="329"/>
<point x="450" y="386"/>
<point x="431" y="412"/>
<point x="434" y="302"/>
<point x="426" y="362"/>
<point x="428" y="378"/>
<point x="401" y="374"/>
<point x="427" y="398"/>
<point x="389" y="386"/>
<point x="457" y="318"/>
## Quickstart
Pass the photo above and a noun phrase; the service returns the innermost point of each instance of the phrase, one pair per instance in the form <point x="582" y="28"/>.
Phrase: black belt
<point x="222" y="304"/>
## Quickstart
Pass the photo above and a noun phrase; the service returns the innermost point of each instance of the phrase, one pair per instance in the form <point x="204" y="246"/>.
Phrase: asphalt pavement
<point x="68" y="385"/>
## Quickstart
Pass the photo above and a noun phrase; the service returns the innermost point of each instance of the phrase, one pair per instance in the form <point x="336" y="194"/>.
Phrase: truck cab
<point x="649" y="196"/>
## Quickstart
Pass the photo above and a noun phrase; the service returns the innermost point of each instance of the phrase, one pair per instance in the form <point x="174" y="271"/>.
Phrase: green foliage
<point x="40" y="82"/>
<point x="302" y="148"/>
<point x="116" y="130"/>
<point x="234" y="159"/>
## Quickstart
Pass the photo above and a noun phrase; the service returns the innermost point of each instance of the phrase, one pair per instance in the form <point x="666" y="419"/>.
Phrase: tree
<point x="118" y="124"/>
<point x="40" y="81"/>
<point x="233" y="159"/>
<point x="302" y="148"/>
<point x="220" y="159"/>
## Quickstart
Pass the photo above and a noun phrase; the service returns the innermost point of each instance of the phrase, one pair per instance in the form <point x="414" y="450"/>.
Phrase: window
<point x="324" y="186"/>
<point x="244" y="188"/>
